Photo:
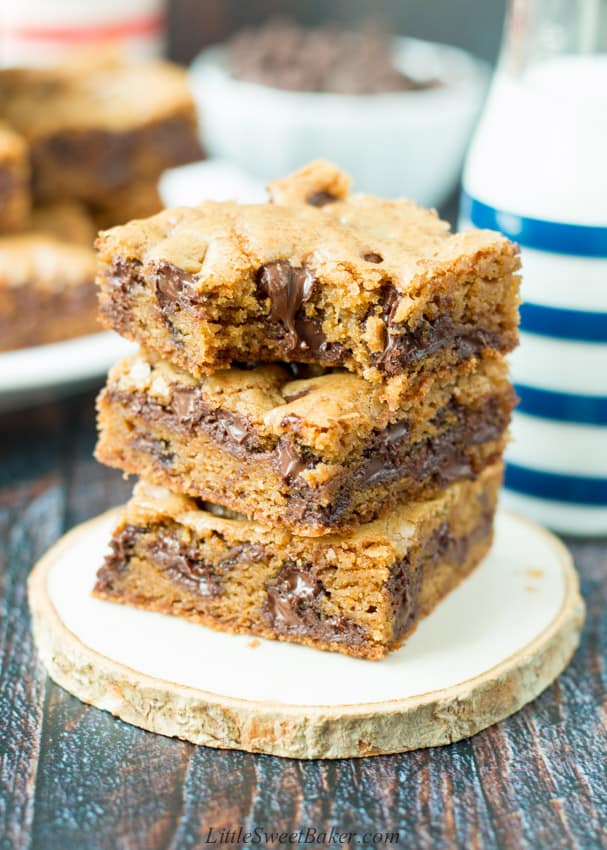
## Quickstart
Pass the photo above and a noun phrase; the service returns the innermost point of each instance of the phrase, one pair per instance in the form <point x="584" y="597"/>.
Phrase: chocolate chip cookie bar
<point x="312" y="454"/>
<point x="14" y="181"/>
<point x="319" y="275"/>
<point x="358" y="594"/>
<point x="47" y="290"/>
<point x="93" y="129"/>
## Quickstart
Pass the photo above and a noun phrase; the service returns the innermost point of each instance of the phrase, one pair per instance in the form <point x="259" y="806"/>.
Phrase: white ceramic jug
<point x="537" y="171"/>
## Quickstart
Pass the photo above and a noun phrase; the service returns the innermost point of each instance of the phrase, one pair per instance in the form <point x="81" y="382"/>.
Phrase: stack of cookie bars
<point x="317" y="413"/>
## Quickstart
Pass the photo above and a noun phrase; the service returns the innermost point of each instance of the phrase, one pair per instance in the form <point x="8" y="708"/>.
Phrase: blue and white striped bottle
<point x="537" y="171"/>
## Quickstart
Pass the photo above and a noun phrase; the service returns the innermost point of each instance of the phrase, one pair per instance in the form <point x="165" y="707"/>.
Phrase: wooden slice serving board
<point x="492" y="646"/>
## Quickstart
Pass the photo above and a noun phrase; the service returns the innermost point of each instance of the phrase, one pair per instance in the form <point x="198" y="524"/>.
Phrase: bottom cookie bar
<point x="360" y="594"/>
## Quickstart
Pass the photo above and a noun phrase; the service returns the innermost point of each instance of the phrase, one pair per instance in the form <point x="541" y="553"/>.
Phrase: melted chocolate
<point x="289" y="462"/>
<point x="404" y="349"/>
<point x="406" y="575"/>
<point x="187" y="411"/>
<point x="293" y="604"/>
<point x="116" y="563"/>
<point x="287" y="287"/>
<point x="293" y="607"/>
<point x="295" y="335"/>
<point x="156" y="447"/>
<point x="183" y="563"/>
<point x="173" y="287"/>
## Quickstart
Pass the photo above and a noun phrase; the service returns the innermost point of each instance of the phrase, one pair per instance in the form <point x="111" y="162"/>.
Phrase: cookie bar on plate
<point x="315" y="455"/>
<point x="320" y="275"/>
<point x="359" y="594"/>
<point x="47" y="290"/>
<point x="95" y="127"/>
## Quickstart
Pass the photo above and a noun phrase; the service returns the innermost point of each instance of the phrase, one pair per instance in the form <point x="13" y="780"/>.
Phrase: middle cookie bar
<point x="314" y="455"/>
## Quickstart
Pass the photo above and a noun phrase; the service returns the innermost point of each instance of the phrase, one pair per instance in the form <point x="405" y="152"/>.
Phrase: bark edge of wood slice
<point x="429" y="719"/>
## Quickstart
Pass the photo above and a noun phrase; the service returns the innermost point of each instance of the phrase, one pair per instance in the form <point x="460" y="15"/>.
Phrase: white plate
<point x="32" y="375"/>
<point x="492" y="645"/>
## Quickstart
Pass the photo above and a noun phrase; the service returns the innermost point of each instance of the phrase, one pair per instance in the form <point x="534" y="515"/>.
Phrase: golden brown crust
<point x="222" y="243"/>
<point x="103" y="95"/>
<point x="380" y="287"/>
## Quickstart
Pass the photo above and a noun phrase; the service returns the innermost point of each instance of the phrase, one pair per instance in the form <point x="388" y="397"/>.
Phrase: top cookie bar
<point x="319" y="274"/>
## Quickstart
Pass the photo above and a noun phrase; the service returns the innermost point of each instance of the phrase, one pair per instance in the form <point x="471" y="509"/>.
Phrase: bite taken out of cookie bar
<point x="318" y="274"/>
<point x="315" y="455"/>
<point x="359" y="594"/>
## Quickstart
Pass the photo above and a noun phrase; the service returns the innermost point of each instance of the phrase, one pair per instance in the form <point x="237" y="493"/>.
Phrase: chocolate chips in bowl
<point x="285" y="56"/>
<point x="396" y="111"/>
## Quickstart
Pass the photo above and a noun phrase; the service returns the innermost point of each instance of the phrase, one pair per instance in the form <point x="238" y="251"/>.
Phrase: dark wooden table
<point x="73" y="777"/>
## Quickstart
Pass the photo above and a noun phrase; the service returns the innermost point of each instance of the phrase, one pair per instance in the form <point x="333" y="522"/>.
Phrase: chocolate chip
<point x="395" y="432"/>
<point x="291" y="592"/>
<point x="236" y="431"/>
<point x="157" y="448"/>
<point x="389" y="298"/>
<point x="287" y="287"/>
<point x="320" y="199"/>
<point x="372" y="257"/>
<point x="292" y="607"/>
<point x="185" y="402"/>
<point x="311" y="335"/>
<point x="290" y="464"/>
<point x="173" y="286"/>
<point x="403" y="592"/>
<point x="190" y="410"/>
<point x="183" y="564"/>
<point x="122" y="548"/>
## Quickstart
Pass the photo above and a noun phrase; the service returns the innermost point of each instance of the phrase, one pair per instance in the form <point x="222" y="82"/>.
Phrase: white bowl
<point x="395" y="144"/>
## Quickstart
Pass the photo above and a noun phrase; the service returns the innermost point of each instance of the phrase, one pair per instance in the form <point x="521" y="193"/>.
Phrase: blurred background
<point x="475" y="25"/>
<point x="90" y="138"/>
